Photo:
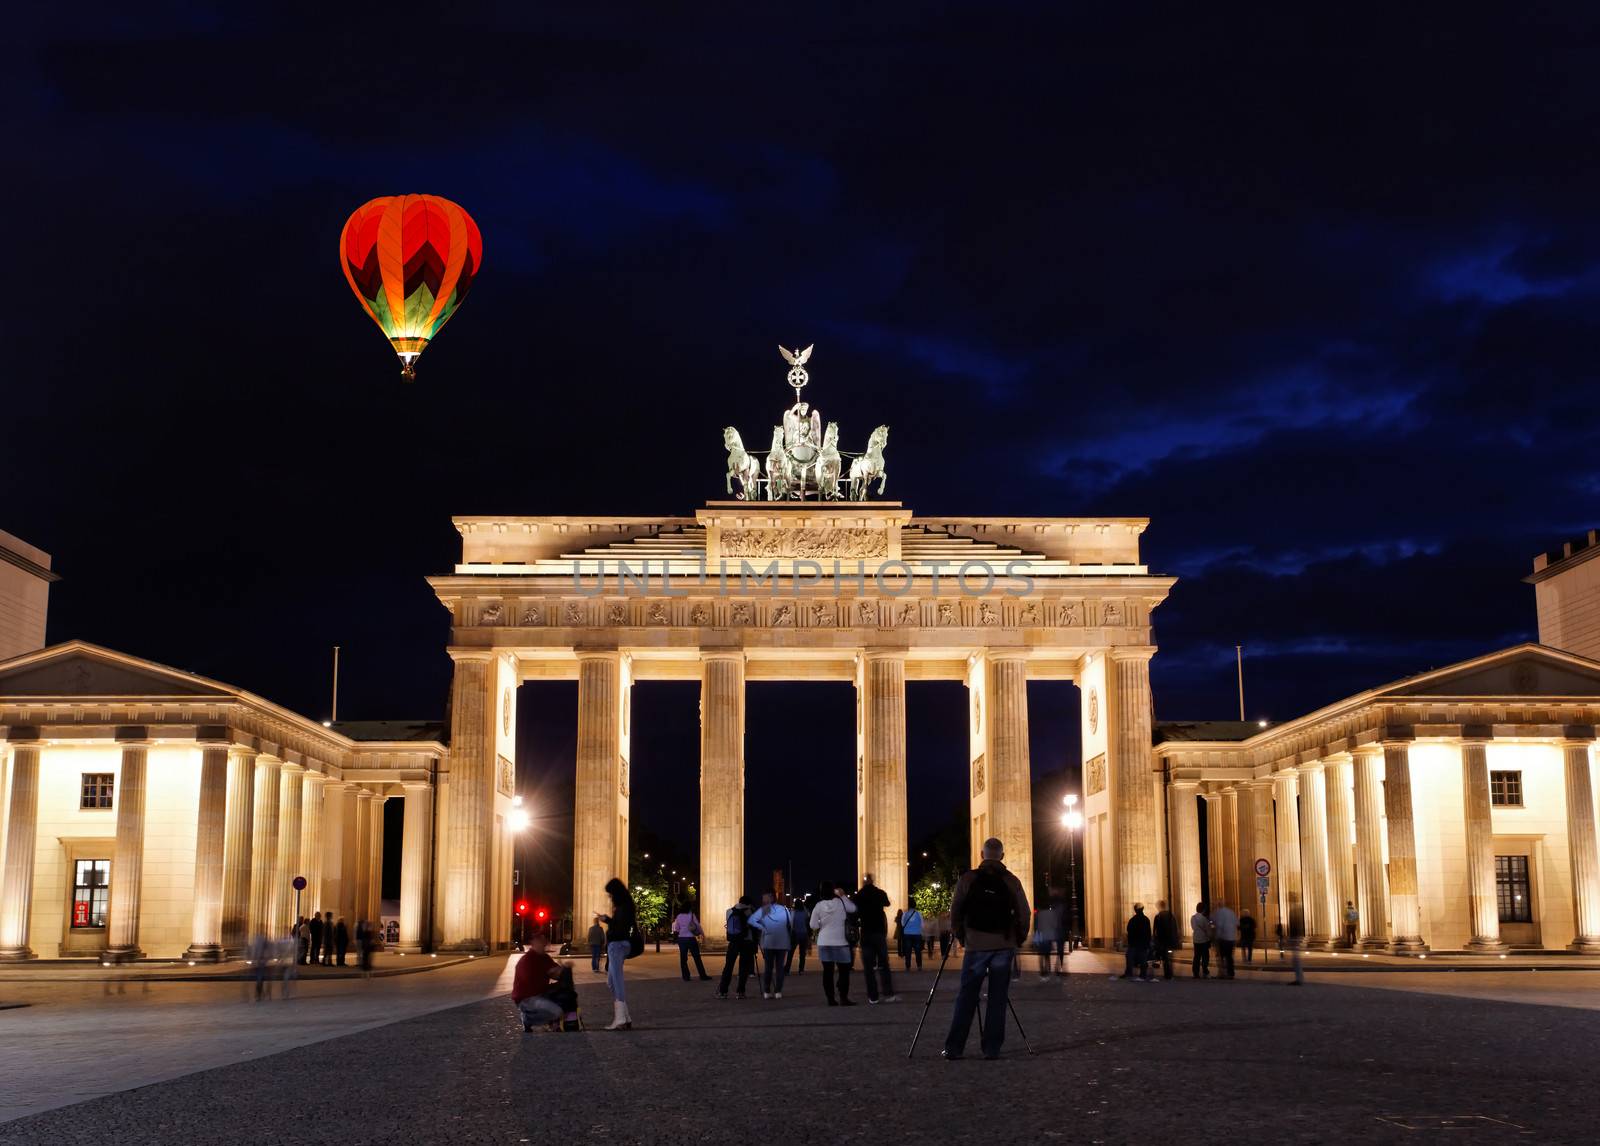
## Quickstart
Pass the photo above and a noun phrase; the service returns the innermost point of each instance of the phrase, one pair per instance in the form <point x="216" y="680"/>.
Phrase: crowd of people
<point x="314" y="940"/>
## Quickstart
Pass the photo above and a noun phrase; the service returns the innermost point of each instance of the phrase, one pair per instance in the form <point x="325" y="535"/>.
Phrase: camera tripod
<point x="927" y="1005"/>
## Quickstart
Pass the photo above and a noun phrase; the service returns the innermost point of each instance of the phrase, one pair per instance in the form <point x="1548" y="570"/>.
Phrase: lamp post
<point x="1072" y="820"/>
<point x="518" y="823"/>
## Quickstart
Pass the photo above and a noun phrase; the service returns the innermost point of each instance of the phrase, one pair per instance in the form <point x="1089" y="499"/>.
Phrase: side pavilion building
<point x="150" y="812"/>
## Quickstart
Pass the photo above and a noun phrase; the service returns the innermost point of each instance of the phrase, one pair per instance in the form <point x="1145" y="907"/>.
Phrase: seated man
<point x="535" y="983"/>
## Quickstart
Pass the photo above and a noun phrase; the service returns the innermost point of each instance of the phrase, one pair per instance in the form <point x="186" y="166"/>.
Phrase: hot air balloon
<point x="410" y="259"/>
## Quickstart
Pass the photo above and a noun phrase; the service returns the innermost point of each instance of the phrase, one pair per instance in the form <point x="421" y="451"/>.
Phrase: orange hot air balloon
<point x="411" y="260"/>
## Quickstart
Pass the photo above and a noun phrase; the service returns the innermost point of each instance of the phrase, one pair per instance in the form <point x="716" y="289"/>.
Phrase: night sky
<point x="1315" y="297"/>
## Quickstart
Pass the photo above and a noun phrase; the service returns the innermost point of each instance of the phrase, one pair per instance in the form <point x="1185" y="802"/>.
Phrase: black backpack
<point x="738" y="926"/>
<point x="989" y="905"/>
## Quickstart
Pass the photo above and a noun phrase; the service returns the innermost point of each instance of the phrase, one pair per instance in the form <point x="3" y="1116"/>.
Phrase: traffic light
<point x="522" y="907"/>
<point x="540" y="915"/>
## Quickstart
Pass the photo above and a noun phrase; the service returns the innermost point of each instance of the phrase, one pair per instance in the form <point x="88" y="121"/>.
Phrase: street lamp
<point x="1072" y="820"/>
<point x="518" y="822"/>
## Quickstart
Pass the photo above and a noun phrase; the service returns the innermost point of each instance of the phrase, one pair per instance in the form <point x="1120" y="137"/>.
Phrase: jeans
<point x="1200" y="965"/>
<point x="616" y="956"/>
<point x="774" y="962"/>
<point x="829" y="969"/>
<point x="1224" y="958"/>
<point x="687" y="948"/>
<point x="913" y="950"/>
<point x="595" y="951"/>
<point x="798" y="946"/>
<point x="976" y="966"/>
<point x="874" y="962"/>
<point x="744" y="954"/>
<point x="537" y="1009"/>
<point x="1165" y="954"/>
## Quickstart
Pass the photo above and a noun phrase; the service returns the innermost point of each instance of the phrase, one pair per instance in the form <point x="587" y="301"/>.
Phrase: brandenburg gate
<point x="799" y="577"/>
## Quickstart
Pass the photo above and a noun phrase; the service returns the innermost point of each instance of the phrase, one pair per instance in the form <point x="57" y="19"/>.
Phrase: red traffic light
<point x="541" y="915"/>
<point x="522" y="907"/>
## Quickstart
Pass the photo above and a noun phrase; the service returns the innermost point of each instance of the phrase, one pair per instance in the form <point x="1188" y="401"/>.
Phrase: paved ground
<point x="1347" y="1055"/>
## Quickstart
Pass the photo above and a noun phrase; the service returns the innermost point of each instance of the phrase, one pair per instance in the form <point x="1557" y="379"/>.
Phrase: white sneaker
<point x="766" y="994"/>
<point x="778" y="995"/>
<point x="872" y="1002"/>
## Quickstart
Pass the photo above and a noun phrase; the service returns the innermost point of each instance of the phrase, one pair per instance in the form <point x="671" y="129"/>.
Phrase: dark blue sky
<point x="1315" y="295"/>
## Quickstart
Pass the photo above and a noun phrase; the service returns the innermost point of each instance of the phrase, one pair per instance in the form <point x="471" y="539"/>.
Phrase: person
<point x="1297" y="939"/>
<point x="872" y="910"/>
<point x="1247" y="935"/>
<point x="1225" y="930"/>
<point x="1200" y="932"/>
<point x="773" y="921"/>
<point x="366" y="944"/>
<point x="341" y="939"/>
<point x="990" y="916"/>
<point x="686" y="930"/>
<point x="315" y="928"/>
<point x="1351" y="918"/>
<point x="741" y="947"/>
<point x="911" y="929"/>
<point x="534" y="980"/>
<point x="327" y="940"/>
<point x="619" y="941"/>
<point x="302" y="940"/>
<point x="833" y="949"/>
<point x="946" y="937"/>
<point x="1046" y="934"/>
<point x="1139" y="938"/>
<point x="1165" y="937"/>
<point x="1278" y="930"/>
<point x="1058" y="904"/>
<point x="597" y="942"/>
<point x="799" y="937"/>
<point x="259" y="954"/>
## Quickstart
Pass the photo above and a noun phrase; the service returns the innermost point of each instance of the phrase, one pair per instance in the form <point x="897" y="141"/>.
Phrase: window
<point x="97" y="788"/>
<point x="1512" y="888"/>
<point x="91" y="888"/>
<point x="1505" y="789"/>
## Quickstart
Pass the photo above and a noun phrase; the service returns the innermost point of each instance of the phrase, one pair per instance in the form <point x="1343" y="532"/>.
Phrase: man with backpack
<point x="990" y="917"/>
<point x="741" y="947"/>
<point x="799" y="937"/>
<point x="872" y="913"/>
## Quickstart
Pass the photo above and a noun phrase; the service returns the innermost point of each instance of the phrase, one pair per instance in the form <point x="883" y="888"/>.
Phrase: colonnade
<point x="261" y="821"/>
<point x="1327" y="824"/>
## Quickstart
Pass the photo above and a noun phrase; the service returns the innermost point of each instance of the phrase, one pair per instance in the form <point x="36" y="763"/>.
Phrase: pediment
<point x="1525" y="670"/>
<point x="78" y="670"/>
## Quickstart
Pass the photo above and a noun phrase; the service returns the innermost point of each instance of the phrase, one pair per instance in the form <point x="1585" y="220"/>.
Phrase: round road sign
<point x="1263" y="867"/>
<point x="299" y="883"/>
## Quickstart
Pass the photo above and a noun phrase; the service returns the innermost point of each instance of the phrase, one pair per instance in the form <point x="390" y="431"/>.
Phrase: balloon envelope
<point x="411" y="260"/>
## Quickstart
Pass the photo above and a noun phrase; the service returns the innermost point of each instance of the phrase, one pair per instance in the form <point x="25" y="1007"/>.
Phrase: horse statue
<point x="829" y="464"/>
<point x="869" y="466"/>
<point x="777" y="468"/>
<point x="744" y="466"/>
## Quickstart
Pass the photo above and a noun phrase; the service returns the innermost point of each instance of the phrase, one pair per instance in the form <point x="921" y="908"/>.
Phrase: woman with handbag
<point x="828" y="920"/>
<point x="687" y="930"/>
<point x="621" y="927"/>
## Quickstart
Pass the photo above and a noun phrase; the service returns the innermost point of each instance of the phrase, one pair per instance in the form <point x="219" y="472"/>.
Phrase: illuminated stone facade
<point x="849" y="591"/>
<point x="149" y="812"/>
<point x="1456" y="809"/>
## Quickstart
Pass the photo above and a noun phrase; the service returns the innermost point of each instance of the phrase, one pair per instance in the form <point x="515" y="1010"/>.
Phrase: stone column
<point x="1404" y="906"/>
<point x="22" y="830"/>
<point x="291" y="788"/>
<point x="596" y="827"/>
<point x="1245" y="848"/>
<point x="127" y="858"/>
<point x="1228" y="802"/>
<point x="1320" y="926"/>
<point x="210" y="836"/>
<point x="884" y="837"/>
<point x="1213" y="881"/>
<point x="1371" y="883"/>
<point x="414" y="864"/>
<point x="1010" y="779"/>
<point x="721" y="784"/>
<point x="1341" y="870"/>
<point x="237" y="849"/>
<point x="374" y="911"/>
<point x="1133" y="797"/>
<point x="264" y="847"/>
<point x="338" y="859"/>
<point x="359" y="840"/>
<point x="1581" y="844"/>
<point x="1285" y="789"/>
<point x="1185" y="813"/>
<point x="1482" y="900"/>
<point x="1265" y="846"/>
<point x="464" y="856"/>
<point x="312" y="812"/>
